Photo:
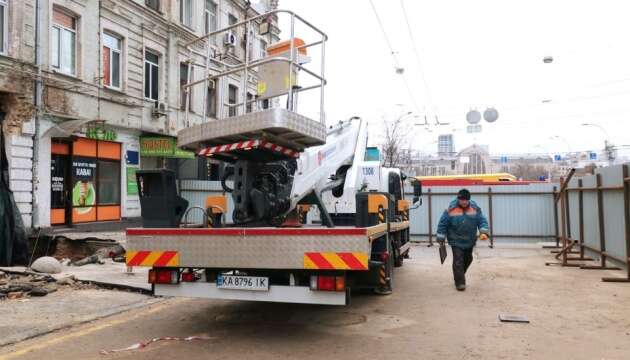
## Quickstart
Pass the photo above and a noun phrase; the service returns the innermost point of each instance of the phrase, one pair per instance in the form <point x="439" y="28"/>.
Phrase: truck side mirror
<point x="417" y="192"/>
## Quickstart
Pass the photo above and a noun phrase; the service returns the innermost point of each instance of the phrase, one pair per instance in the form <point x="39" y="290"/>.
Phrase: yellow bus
<point x="476" y="178"/>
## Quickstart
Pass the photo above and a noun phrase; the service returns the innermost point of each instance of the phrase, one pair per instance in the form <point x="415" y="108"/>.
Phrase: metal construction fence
<point x="518" y="212"/>
<point x="514" y="212"/>
<point x="596" y="220"/>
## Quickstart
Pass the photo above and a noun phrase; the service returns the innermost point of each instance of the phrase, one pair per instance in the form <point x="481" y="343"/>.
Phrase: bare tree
<point x="395" y="144"/>
<point x="526" y="171"/>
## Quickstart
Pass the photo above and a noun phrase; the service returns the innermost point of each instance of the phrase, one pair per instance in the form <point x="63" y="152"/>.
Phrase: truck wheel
<point x="386" y="278"/>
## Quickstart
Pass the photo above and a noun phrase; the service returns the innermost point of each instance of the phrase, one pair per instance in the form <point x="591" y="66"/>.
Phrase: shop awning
<point x="66" y="128"/>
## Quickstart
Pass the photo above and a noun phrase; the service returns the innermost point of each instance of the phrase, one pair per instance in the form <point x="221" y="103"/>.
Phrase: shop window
<point x="108" y="182"/>
<point x="4" y="26"/>
<point x="112" y="64"/>
<point x="151" y="75"/>
<point x="95" y="180"/>
<point x="63" y="43"/>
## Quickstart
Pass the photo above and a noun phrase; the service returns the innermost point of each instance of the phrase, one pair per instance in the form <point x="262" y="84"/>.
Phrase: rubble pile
<point x="20" y="286"/>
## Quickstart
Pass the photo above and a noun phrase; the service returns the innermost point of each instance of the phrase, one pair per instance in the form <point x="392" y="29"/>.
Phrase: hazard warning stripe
<point x="248" y="145"/>
<point x="335" y="261"/>
<point x="152" y="258"/>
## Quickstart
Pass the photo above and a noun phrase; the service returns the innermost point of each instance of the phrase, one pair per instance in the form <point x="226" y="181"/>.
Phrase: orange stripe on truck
<point x="152" y="258"/>
<point x="335" y="261"/>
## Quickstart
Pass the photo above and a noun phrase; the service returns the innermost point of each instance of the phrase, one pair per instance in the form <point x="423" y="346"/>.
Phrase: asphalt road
<point x="573" y="316"/>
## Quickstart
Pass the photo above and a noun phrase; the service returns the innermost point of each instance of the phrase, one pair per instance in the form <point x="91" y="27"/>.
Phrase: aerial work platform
<point x="264" y="109"/>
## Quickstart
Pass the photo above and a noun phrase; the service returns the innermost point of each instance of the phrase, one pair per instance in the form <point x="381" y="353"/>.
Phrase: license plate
<point x="237" y="282"/>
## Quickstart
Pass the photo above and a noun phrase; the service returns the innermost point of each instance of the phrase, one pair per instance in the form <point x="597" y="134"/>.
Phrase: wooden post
<point x="563" y="228"/>
<point x="555" y="217"/>
<point x="581" y="216"/>
<point x="568" y="213"/>
<point x="430" y="216"/>
<point x="600" y="217"/>
<point x="490" y="222"/>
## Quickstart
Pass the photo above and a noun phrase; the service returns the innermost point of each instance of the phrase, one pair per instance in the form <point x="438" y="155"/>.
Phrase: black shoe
<point x="460" y="287"/>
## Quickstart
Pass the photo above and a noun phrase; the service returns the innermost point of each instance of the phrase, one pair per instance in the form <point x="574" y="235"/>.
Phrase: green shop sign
<point x="100" y="134"/>
<point x="159" y="146"/>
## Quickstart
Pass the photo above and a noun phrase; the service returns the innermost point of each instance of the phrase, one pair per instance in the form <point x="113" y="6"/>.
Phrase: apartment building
<point x="101" y="84"/>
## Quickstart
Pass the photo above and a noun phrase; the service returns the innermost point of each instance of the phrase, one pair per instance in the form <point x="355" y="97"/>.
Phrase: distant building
<point x="446" y="145"/>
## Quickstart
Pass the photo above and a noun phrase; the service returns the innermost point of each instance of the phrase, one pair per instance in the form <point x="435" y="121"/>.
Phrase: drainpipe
<point x="38" y="111"/>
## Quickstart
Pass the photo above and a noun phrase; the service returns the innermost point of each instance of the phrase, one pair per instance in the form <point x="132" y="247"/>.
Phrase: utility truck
<point x="314" y="213"/>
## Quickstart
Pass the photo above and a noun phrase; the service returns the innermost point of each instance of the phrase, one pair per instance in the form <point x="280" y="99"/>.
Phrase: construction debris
<point x="47" y="264"/>
<point x="27" y="284"/>
<point x="112" y="252"/>
<point x="513" y="318"/>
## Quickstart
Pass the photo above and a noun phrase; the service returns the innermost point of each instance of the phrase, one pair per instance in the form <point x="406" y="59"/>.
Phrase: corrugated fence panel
<point x="573" y="230"/>
<point x="591" y="220"/>
<point x="613" y="212"/>
<point x="518" y="210"/>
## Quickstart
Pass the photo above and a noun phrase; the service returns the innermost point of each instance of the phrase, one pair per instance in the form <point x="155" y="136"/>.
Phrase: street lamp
<point x="607" y="146"/>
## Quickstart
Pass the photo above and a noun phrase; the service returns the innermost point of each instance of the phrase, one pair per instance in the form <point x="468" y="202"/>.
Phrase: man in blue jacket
<point x="459" y="224"/>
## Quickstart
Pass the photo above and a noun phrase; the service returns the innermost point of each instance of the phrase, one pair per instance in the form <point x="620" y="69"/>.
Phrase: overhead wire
<point x="417" y="56"/>
<point x="395" y="58"/>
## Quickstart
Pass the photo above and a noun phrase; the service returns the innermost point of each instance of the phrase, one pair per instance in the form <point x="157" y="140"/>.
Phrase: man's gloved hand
<point x="483" y="237"/>
<point x="441" y="240"/>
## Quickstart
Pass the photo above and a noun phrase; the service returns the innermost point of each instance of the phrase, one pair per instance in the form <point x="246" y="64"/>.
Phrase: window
<point x="183" y="80"/>
<point x="108" y="182"/>
<point x="263" y="48"/>
<point x="112" y="61"/>
<point x="232" y="19"/>
<point x="232" y="99"/>
<point x="250" y="105"/>
<point x="63" y="44"/>
<point x="211" y="101"/>
<point x="153" y="4"/>
<point x="211" y="16"/>
<point x="3" y="26"/>
<point x="185" y="12"/>
<point x="151" y="75"/>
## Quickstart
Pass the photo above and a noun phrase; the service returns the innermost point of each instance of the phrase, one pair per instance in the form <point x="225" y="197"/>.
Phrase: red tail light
<point x="188" y="277"/>
<point x="163" y="276"/>
<point x="328" y="283"/>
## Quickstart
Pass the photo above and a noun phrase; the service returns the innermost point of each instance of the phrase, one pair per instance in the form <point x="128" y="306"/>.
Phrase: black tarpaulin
<point x="13" y="248"/>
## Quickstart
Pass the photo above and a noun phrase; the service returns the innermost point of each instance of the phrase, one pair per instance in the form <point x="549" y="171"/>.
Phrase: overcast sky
<point x="483" y="53"/>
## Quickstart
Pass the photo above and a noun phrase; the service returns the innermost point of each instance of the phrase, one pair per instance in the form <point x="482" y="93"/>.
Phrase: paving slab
<point x="109" y="273"/>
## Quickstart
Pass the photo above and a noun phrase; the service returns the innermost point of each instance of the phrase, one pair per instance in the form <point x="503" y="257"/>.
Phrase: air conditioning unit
<point x="160" y="109"/>
<point x="230" y="39"/>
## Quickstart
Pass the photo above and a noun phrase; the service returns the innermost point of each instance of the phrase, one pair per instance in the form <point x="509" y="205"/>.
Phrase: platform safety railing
<point x="245" y="65"/>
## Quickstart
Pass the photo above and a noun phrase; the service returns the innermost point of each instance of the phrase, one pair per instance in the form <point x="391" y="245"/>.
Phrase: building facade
<point x="98" y="94"/>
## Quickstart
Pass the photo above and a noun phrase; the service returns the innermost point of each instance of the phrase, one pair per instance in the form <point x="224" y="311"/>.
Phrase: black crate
<point x="160" y="205"/>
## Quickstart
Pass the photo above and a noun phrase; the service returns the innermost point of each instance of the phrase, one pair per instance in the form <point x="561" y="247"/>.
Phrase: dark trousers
<point x="462" y="258"/>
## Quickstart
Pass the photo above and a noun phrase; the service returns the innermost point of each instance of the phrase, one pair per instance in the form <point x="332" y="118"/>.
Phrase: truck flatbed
<point x="309" y="247"/>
